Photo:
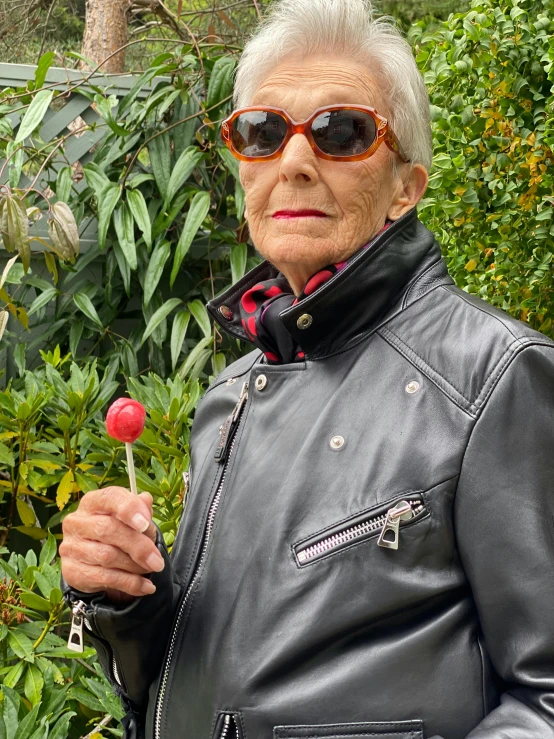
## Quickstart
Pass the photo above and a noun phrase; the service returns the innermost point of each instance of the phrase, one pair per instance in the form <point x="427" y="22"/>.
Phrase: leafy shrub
<point x="54" y="444"/>
<point x="490" y="75"/>
<point x="170" y="219"/>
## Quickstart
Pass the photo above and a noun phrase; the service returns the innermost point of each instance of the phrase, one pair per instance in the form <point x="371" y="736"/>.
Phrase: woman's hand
<point x="108" y="544"/>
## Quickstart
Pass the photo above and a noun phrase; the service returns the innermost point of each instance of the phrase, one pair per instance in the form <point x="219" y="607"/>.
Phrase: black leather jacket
<point x="422" y="418"/>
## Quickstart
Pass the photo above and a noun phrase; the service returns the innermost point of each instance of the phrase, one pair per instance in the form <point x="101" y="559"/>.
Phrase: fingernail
<point x="139" y="522"/>
<point x="155" y="562"/>
<point x="148" y="587"/>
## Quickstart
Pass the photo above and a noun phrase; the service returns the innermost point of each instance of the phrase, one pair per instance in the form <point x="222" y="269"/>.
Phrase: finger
<point x="131" y="509"/>
<point x="91" y="579"/>
<point x="150" y="532"/>
<point x="111" y="531"/>
<point x="96" y="554"/>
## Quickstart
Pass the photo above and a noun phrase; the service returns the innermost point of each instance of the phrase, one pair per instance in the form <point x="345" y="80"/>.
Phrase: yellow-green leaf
<point x="65" y="488"/>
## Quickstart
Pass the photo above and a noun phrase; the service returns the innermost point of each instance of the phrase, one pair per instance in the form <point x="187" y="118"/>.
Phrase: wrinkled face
<point x="356" y="197"/>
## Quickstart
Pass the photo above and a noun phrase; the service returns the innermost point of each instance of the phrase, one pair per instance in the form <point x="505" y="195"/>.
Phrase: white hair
<point x="306" y="27"/>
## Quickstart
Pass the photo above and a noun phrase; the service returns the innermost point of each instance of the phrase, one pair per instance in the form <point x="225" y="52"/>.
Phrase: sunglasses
<point x="341" y="133"/>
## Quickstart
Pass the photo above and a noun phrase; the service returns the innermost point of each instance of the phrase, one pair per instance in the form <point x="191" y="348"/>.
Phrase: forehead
<point x="302" y="84"/>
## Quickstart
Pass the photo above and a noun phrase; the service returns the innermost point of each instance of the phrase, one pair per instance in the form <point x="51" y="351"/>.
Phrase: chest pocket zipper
<point x="387" y="523"/>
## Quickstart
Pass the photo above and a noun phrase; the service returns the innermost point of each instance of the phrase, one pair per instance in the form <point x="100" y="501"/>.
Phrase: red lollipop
<point x="125" y="422"/>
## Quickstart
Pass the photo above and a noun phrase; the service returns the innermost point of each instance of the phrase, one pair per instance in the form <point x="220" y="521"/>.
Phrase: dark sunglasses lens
<point x="343" y="133"/>
<point x="258" y="133"/>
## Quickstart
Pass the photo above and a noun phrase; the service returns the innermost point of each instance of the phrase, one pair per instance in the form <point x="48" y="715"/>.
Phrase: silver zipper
<point x="227" y="451"/>
<point x="386" y="522"/>
<point x="226" y="726"/>
<point x="76" y="640"/>
<point x="116" y="672"/>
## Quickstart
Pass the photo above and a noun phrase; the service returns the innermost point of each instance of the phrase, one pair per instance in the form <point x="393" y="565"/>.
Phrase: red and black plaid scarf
<point x="261" y="305"/>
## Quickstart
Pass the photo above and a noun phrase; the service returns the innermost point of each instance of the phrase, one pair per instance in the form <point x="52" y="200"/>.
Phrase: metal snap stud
<point x="231" y="381"/>
<point x="337" y="442"/>
<point x="261" y="382"/>
<point x="226" y="312"/>
<point x="412" y="387"/>
<point x="305" y="321"/>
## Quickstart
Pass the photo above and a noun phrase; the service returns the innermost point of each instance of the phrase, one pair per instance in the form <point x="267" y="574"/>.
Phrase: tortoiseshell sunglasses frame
<point x="383" y="133"/>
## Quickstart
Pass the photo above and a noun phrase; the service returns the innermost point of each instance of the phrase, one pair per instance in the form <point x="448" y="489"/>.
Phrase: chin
<point x="297" y="250"/>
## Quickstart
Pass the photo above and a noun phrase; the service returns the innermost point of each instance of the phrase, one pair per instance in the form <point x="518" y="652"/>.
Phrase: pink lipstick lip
<point x="299" y="214"/>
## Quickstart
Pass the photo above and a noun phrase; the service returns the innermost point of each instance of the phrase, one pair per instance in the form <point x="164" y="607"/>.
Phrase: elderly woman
<point x="367" y="544"/>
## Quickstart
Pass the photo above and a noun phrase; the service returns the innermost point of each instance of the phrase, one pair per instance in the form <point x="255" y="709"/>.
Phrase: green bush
<point x="490" y="75"/>
<point x="170" y="220"/>
<point x="55" y="448"/>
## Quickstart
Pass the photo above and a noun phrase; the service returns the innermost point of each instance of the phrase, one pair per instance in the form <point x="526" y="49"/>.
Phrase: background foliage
<point x="129" y="313"/>
<point x="490" y="74"/>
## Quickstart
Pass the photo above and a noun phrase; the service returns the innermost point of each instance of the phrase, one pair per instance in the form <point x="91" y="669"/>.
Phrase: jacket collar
<point x="355" y="300"/>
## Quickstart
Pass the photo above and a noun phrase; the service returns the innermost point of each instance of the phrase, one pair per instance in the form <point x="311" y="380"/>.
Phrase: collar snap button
<point x="305" y="321"/>
<point x="261" y="382"/>
<point x="226" y="312"/>
<point x="412" y="387"/>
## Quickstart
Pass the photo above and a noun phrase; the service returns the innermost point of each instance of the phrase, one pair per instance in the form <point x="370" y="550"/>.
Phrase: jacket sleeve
<point x="131" y="639"/>
<point x="504" y="518"/>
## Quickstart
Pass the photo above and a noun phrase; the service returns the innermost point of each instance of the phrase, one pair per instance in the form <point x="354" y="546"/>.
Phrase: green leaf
<point x="123" y="265"/>
<point x="61" y="727"/>
<point x="34" y="114"/>
<point x="26" y="513"/>
<point x="159" y="316"/>
<point x="182" y="171"/>
<point x="107" y="201"/>
<point x="137" y="204"/>
<point x="75" y="333"/>
<point x="64" y="183"/>
<point x="10" y="710"/>
<point x="84" y="303"/>
<point x="34" y="683"/>
<point x="125" y="230"/>
<point x="155" y="269"/>
<point x="40" y="301"/>
<point x="44" y="64"/>
<point x="196" y="354"/>
<point x="45" y="586"/>
<point x="19" y="357"/>
<point x="21" y="645"/>
<point x="160" y="159"/>
<point x="221" y="80"/>
<point x="198" y="310"/>
<point x="12" y="677"/>
<point x="27" y="725"/>
<point x="48" y="551"/>
<point x="178" y="333"/>
<point x="32" y="600"/>
<point x="231" y="163"/>
<point x="88" y="700"/>
<point x="6" y="456"/>
<point x="199" y="207"/>
<point x="96" y="178"/>
<point x="238" y="261"/>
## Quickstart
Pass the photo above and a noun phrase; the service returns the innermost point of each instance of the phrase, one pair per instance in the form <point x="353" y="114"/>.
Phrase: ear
<point x="412" y="184"/>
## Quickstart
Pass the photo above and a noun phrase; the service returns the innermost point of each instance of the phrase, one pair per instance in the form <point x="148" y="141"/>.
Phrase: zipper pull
<point x="226" y="431"/>
<point x="401" y="512"/>
<point x="186" y="483"/>
<point x="76" y="642"/>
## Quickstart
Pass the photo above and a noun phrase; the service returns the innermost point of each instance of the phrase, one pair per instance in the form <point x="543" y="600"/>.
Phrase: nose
<point x="298" y="163"/>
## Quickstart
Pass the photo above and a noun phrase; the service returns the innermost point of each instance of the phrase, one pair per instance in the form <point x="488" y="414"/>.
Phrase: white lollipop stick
<point x="131" y="467"/>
